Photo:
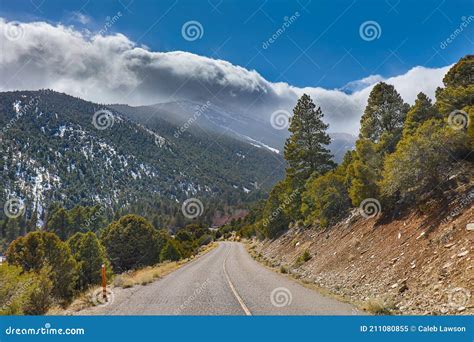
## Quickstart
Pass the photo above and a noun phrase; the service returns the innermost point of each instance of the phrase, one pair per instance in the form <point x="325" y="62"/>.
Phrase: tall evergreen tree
<point x="383" y="118"/>
<point x="421" y="111"/>
<point x="60" y="223"/>
<point x="305" y="149"/>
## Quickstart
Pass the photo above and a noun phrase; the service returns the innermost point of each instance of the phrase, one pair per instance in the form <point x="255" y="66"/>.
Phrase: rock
<point x="449" y="245"/>
<point x="461" y="308"/>
<point x="403" y="288"/>
<point x="421" y="235"/>
<point x="460" y="255"/>
<point x="470" y="226"/>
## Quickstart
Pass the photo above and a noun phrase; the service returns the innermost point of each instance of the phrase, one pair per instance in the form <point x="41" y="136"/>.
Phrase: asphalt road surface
<point x="225" y="281"/>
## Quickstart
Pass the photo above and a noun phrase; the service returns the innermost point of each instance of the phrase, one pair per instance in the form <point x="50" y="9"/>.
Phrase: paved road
<point x="225" y="281"/>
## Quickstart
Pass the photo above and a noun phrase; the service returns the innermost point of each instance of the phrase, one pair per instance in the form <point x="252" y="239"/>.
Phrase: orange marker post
<point x="104" y="284"/>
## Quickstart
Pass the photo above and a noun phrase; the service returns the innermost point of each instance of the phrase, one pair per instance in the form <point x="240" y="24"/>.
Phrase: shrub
<point x="24" y="292"/>
<point x="325" y="199"/>
<point x="90" y="255"/>
<point x="39" y="298"/>
<point x="131" y="242"/>
<point x="41" y="249"/>
<point x="205" y="240"/>
<point x="306" y="256"/>
<point x="171" y="251"/>
<point x="421" y="160"/>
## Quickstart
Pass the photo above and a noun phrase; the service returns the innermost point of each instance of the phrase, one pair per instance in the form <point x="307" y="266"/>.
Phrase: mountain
<point x="58" y="148"/>
<point x="209" y="117"/>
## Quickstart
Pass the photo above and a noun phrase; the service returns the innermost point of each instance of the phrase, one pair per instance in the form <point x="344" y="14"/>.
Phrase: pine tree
<point x="420" y="112"/>
<point x="305" y="149"/>
<point x="60" y="224"/>
<point x="383" y="118"/>
<point x="90" y="255"/>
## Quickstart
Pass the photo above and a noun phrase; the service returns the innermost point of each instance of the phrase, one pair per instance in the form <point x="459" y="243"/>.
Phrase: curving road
<point x="225" y="281"/>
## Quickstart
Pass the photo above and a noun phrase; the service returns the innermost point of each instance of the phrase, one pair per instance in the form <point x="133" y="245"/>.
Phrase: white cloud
<point x="112" y="69"/>
<point x="80" y="17"/>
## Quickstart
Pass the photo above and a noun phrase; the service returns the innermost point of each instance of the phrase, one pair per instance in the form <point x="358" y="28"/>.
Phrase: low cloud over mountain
<point x="113" y="69"/>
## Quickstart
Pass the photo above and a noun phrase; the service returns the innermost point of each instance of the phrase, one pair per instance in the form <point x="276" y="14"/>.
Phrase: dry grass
<point x="149" y="274"/>
<point x="146" y="275"/>
<point x="378" y="306"/>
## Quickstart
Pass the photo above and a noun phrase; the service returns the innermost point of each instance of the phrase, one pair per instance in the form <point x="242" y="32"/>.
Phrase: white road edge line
<point x="232" y="287"/>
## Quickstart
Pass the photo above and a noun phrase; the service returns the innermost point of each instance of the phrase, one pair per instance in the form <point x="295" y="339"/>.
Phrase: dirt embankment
<point x="421" y="263"/>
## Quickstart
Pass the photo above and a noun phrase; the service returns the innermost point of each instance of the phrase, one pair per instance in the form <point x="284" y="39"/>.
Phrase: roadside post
<point x="104" y="284"/>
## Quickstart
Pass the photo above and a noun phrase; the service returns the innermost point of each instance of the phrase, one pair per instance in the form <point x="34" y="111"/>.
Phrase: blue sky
<point x="322" y="47"/>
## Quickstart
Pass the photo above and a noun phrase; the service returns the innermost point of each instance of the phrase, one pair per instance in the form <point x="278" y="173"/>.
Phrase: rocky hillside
<point x="420" y="262"/>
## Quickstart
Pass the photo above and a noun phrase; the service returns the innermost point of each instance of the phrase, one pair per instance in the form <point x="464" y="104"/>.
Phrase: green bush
<point x="171" y="251"/>
<point x="325" y="200"/>
<point x="306" y="256"/>
<point x="37" y="250"/>
<point x="90" y="255"/>
<point x="131" y="242"/>
<point x="205" y="240"/>
<point x="421" y="160"/>
<point x="24" y="292"/>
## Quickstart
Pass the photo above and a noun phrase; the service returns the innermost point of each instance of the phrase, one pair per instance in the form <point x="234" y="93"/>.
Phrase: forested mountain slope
<point x="58" y="148"/>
